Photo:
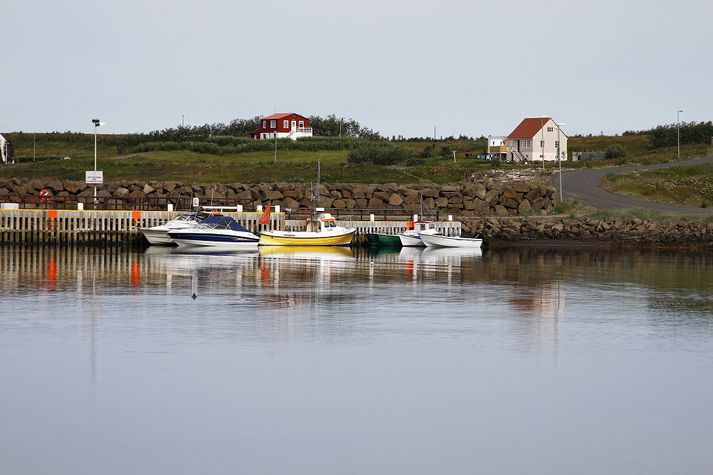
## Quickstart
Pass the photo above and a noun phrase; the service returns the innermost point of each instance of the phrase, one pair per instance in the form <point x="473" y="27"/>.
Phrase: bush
<point x="376" y="153"/>
<point x="615" y="151"/>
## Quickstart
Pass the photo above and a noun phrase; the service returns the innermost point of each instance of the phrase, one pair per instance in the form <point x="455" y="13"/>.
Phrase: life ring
<point x="45" y="195"/>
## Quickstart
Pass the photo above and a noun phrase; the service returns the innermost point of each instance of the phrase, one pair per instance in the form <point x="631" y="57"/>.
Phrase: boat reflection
<point x="307" y="252"/>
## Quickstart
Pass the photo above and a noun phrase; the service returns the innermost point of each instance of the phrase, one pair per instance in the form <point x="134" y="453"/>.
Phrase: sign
<point x="94" y="177"/>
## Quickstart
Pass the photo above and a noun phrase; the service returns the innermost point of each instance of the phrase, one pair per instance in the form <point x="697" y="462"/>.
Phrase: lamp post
<point x="559" y="156"/>
<point x="678" y="132"/>
<point x="542" y="140"/>
<point x="97" y="123"/>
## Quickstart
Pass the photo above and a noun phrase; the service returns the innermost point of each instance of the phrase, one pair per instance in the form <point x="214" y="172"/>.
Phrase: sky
<point x="401" y="67"/>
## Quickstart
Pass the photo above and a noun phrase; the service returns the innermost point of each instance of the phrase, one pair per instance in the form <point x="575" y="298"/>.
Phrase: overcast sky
<point x="397" y="66"/>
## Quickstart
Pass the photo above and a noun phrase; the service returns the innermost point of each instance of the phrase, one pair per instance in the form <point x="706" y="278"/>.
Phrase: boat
<point x="412" y="237"/>
<point x="383" y="240"/>
<point x="217" y="231"/>
<point x="158" y="235"/>
<point x="440" y="240"/>
<point x="323" y="231"/>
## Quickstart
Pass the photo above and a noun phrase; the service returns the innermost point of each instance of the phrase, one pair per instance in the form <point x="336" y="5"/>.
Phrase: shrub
<point x="377" y="153"/>
<point x="615" y="151"/>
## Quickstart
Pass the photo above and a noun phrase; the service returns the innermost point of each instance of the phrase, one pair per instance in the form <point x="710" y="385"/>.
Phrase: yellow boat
<point x="327" y="233"/>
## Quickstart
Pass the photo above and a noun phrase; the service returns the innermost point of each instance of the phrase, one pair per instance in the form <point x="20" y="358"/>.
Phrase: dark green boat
<point x="383" y="240"/>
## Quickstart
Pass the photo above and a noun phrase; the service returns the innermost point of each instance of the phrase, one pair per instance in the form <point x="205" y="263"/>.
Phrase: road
<point x="586" y="186"/>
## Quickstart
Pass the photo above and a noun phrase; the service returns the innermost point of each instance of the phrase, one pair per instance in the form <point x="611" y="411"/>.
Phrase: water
<point x="513" y="361"/>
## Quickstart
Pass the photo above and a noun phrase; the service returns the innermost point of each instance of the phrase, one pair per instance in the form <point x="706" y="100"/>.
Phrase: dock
<point x="51" y="227"/>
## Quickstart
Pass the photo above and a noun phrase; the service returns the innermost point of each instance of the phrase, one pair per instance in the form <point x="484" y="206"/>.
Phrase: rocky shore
<point x="610" y="231"/>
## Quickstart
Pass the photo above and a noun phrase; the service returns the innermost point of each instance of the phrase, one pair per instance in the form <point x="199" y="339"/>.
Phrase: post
<point x="559" y="157"/>
<point x="275" y="160"/>
<point x="454" y="156"/>
<point x="542" y="142"/>
<point x="95" y="163"/>
<point x="33" y="147"/>
<point x="678" y="134"/>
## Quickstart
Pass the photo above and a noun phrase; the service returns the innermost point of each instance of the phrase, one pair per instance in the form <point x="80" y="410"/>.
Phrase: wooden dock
<point x="122" y="228"/>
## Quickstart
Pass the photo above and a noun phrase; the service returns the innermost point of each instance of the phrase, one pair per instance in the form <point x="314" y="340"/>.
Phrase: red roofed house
<point x="283" y="125"/>
<point x="535" y="139"/>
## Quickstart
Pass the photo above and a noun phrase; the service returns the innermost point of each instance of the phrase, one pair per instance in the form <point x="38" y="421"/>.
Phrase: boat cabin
<point x="324" y="222"/>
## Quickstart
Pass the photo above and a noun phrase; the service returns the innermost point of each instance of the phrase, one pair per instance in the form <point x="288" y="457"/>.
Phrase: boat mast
<point x="316" y="195"/>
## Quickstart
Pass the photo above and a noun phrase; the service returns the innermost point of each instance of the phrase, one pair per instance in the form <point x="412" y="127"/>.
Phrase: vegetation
<point x="668" y="135"/>
<point x="692" y="185"/>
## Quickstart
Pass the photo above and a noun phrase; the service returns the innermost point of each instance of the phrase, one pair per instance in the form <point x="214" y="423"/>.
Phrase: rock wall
<point x="485" y="197"/>
<point x="611" y="230"/>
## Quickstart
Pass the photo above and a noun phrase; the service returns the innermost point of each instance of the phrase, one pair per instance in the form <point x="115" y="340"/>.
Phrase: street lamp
<point x="542" y="140"/>
<point x="97" y="123"/>
<point x="678" y="132"/>
<point x="559" y="155"/>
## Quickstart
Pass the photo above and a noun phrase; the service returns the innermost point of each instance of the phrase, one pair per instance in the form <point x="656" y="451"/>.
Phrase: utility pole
<point x="275" y="160"/>
<point x="678" y="132"/>
<point x="33" y="147"/>
<point x="542" y="141"/>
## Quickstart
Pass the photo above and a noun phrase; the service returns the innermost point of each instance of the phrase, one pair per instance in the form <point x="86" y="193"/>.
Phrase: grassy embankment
<point x="291" y="166"/>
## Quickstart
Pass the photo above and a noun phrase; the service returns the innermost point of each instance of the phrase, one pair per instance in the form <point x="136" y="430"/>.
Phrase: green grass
<point x="692" y="185"/>
<point x="291" y="166"/>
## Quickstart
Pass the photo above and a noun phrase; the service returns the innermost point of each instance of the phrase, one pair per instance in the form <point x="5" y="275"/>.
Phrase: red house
<point x="283" y="125"/>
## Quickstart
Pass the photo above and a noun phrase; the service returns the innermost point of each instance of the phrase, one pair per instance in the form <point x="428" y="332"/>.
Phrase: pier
<point x="39" y="227"/>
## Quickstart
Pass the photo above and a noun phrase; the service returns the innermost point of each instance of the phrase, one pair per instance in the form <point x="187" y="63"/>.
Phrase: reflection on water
<point x="333" y="360"/>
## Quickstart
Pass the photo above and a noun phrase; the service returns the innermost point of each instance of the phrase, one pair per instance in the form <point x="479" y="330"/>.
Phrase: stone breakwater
<point x="486" y="197"/>
<point x="612" y="231"/>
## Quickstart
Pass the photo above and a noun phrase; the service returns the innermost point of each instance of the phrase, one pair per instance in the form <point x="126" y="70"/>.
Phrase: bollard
<point x="277" y="208"/>
<point x="258" y="208"/>
<point x="169" y="207"/>
<point x="415" y="218"/>
<point x="371" y="217"/>
<point x="450" y="217"/>
<point x="240" y="208"/>
<point x="80" y="206"/>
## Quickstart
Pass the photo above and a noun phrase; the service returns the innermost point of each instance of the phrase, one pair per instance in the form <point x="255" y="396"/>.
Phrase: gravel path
<point x="586" y="186"/>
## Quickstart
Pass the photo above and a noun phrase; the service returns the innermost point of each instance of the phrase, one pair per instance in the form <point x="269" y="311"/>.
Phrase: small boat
<point x="217" y="231"/>
<point x="158" y="235"/>
<point x="383" y="240"/>
<point x="321" y="232"/>
<point x="412" y="236"/>
<point x="439" y="240"/>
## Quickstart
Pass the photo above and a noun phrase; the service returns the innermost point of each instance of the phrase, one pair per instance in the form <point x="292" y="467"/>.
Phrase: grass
<point x="291" y="166"/>
<point x="691" y="185"/>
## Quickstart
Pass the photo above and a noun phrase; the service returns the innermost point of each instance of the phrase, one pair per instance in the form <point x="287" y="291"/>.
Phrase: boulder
<point x="148" y="189"/>
<point x="500" y="210"/>
<point x="524" y="207"/>
<point x="396" y="200"/>
<point x="375" y="203"/>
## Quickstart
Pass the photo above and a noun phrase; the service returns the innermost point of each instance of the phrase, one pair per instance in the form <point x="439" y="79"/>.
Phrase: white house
<point x="536" y="139"/>
<point x="497" y="149"/>
<point x="4" y="149"/>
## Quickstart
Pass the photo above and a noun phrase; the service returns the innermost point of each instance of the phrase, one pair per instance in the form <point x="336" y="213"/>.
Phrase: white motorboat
<point x="215" y="231"/>
<point x="412" y="236"/>
<point x="158" y="235"/>
<point x="439" y="240"/>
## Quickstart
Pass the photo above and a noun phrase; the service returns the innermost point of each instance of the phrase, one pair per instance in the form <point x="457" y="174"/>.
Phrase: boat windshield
<point x="191" y="217"/>
<point x="329" y="224"/>
<point x="221" y="222"/>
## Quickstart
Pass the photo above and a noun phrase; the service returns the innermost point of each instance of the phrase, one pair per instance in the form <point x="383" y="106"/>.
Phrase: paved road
<point x="586" y="186"/>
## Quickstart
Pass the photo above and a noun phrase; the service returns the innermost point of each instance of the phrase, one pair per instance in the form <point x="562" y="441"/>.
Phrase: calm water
<point x="308" y="362"/>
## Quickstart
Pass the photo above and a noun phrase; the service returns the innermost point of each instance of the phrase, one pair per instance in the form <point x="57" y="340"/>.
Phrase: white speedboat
<point x="215" y="231"/>
<point x="323" y="232"/>
<point x="158" y="235"/>
<point x="412" y="236"/>
<point x="439" y="240"/>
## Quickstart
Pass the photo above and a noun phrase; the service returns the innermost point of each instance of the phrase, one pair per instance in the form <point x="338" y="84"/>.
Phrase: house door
<point x="294" y="124"/>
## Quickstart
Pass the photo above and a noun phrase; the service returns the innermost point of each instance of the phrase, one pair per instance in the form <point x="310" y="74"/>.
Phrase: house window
<point x="264" y="124"/>
<point x="285" y="124"/>
<point x="272" y="124"/>
<point x="302" y="124"/>
<point x="557" y="144"/>
<point x="542" y="143"/>
<point x="550" y="129"/>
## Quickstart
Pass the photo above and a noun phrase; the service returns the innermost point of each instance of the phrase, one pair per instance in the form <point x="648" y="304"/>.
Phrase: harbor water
<point x="332" y="361"/>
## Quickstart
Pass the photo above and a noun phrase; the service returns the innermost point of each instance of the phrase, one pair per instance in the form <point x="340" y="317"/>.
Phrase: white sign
<point x="94" y="177"/>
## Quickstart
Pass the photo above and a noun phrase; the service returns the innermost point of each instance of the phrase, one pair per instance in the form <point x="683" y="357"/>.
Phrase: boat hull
<point x="279" y="238"/>
<point x="437" y="240"/>
<point x="383" y="240"/>
<point x="157" y="237"/>
<point x="214" y="239"/>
